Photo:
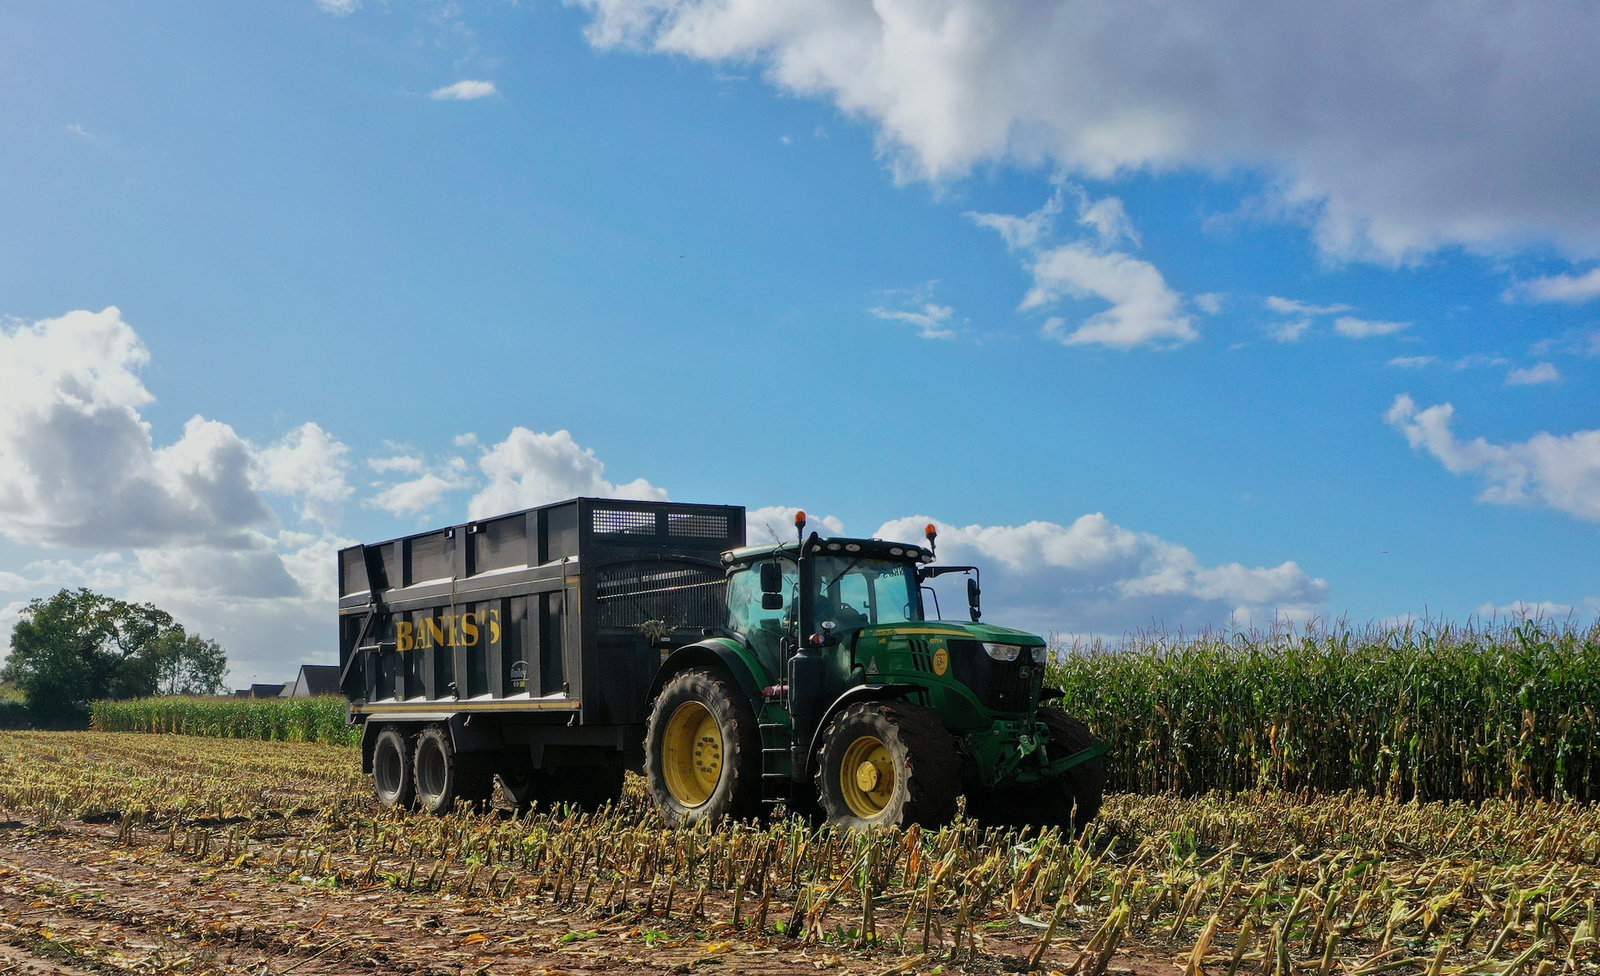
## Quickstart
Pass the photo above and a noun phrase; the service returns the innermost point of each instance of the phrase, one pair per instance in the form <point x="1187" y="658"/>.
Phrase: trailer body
<point x="540" y="629"/>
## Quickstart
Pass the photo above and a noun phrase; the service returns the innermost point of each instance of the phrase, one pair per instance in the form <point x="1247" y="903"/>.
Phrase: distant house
<point x="259" y="691"/>
<point x="314" y="679"/>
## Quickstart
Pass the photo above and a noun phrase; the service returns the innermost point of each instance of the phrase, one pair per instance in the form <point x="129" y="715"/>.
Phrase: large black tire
<point x="443" y="776"/>
<point x="887" y="763"/>
<point x="1072" y="799"/>
<point x="392" y="778"/>
<point x="702" y="750"/>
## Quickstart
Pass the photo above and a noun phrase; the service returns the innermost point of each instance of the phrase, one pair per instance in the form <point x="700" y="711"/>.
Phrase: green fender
<point x="718" y="652"/>
<point x="860" y="693"/>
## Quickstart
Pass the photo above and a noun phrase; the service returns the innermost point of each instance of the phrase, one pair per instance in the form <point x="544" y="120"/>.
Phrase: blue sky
<point x="1170" y="314"/>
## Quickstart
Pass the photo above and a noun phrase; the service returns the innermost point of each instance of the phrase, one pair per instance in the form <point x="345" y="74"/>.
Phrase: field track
<point x="124" y="853"/>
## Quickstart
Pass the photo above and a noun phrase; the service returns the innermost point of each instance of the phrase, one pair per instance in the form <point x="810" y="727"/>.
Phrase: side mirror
<point x="771" y="581"/>
<point x="973" y="595"/>
<point x="772" y="601"/>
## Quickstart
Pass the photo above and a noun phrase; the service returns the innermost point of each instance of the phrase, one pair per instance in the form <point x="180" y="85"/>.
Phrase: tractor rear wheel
<point x="885" y="764"/>
<point x="443" y="776"/>
<point x="392" y="780"/>
<point x="702" y="751"/>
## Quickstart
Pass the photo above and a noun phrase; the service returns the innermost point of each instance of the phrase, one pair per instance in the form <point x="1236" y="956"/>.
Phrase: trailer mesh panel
<point x="679" y="596"/>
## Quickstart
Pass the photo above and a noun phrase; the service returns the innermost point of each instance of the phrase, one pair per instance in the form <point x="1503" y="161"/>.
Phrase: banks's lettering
<point x="447" y="630"/>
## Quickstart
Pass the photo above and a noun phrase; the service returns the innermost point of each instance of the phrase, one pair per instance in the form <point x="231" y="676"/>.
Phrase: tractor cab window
<point x="765" y="629"/>
<point x="855" y="592"/>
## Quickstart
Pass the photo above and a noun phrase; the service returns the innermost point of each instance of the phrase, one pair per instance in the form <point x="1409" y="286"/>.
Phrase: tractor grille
<point x="1004" y="686"/>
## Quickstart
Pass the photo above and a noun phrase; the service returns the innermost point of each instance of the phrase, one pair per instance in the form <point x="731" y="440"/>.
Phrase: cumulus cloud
<point x="1354" y="328"/>
<point x="1143" y="309"/>
<point x="78" y="466"/>
<point x="1533" y="375"/>
<point x="775" y="523"/>
<point x="1395" y="128"/>
<point x="464" y="91"/>
<point x="186" y="525"/>
<point x="309" y="466"/>
<point x="1571" y="289"/>
<point x="528" y="469"/>
<point x="1096" y="577"/>
<point x="419" y="494"/>
<point x="1561" y="472"/>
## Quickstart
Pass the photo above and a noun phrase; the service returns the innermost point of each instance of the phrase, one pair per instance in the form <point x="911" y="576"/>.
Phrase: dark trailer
<point x="524" y="645"/>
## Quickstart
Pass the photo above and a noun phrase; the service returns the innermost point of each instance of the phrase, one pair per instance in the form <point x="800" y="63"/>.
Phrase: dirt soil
<point x="80" y="899"/>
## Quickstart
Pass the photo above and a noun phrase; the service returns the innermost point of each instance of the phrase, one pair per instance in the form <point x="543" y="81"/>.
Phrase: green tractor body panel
<point x="844" y="624"/>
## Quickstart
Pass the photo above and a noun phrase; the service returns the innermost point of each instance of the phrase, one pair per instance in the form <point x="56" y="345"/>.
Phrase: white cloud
<point x="398" y="464"/>
<point x="1568" y="288"/>
<point x="528" y="469"/>
<point x="1524" y="610"/>
<point x="1533" y="375"/>
<point x="340" y="8"/>
<point x="1022" y="233"/>
<point x="1289" y="306"/>
<point x="1289" y="331"/>
<point x="931" y="320"/>
<point x="417" y="495"/>
<point x="775" y="523"/>
<point x="1364" y="329"/>
<point x="182" y="525"/>
<point x="1096" y="577"/>
<point x="1561" y="472"/>
<point x="1143" y="309"/>
<point x="308" y="465"/>
<point x="1396" y="128"/>
<point x="464" y="91"/>
<point x="1210" y="302"/>
<point x="1110" y="221"/>
<point x="78" y="466"/>
<point x="1410" y="362"/>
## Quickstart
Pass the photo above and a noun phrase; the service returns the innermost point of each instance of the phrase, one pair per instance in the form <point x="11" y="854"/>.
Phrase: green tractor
<point x="833" y="690"/>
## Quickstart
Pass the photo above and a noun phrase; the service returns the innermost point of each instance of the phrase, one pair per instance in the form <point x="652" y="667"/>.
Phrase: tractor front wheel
<point x="885" y="764"/>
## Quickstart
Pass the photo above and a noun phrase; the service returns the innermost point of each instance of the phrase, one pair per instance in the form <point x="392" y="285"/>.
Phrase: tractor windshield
<point x="855" y="592"/>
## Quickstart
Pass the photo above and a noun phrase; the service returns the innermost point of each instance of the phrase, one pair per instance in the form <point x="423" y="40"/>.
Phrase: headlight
<point x="1041" y="654"/>
<point x="1002" y="652"/>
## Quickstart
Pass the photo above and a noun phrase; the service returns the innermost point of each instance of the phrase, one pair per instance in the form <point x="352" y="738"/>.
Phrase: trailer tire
<point x="1072" y="799"/>
<point x="702" y="751"/>
<point x="393" y="779"/>
<point x="443" y="776"/>
<point x="886" y="764"/>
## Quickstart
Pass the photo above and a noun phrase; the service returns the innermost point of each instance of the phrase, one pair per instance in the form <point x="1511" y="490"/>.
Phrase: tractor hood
<point x="956" y="630"/>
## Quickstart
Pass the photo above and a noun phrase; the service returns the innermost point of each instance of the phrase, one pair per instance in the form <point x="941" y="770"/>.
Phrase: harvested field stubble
<point x="285" y="833"/>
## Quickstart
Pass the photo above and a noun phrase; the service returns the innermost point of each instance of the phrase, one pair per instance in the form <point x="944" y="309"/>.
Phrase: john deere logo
<point x="941" y="661"/>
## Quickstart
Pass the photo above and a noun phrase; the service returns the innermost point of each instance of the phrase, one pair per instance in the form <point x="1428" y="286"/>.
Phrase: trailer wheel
<point x="1073" y="799"/>
<point x="887" y="763"/>
<point x="392" y="779"/>
<point x="702" y="752"/>
<point x="444" y="776"/>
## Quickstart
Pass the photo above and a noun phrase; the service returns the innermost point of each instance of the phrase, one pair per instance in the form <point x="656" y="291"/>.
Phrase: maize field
<point x="174" y="854"/>
<point x="270" y="719"/>
<point x="1433" y="711"/>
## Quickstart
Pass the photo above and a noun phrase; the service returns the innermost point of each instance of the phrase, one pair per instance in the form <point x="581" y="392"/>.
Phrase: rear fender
<point x="717" y="654"/>
<point x="852" y="696"/>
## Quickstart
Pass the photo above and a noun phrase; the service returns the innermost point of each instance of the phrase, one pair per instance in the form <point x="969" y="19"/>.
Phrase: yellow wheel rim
<point x="866" y="777"/>
<point x="691" y="754"/>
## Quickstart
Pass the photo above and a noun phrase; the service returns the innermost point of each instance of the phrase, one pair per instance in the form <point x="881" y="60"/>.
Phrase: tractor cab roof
<point x="817" y="546"/>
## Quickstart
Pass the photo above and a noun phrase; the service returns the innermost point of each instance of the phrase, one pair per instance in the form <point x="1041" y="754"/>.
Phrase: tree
<point x="189" y="665"/>
<point x="78" y="646"/>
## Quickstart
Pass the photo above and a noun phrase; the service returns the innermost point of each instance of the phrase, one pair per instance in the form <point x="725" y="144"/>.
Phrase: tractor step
<point x="775" y="762"/>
